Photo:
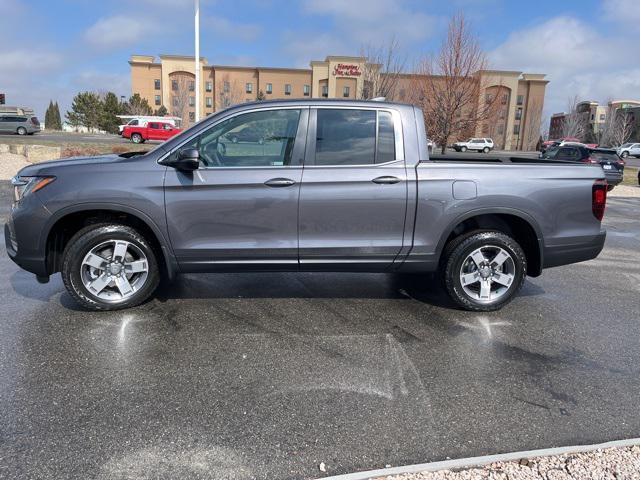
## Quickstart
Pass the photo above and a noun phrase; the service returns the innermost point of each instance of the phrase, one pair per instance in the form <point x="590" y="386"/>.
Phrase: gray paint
<point x="329" y="218"/>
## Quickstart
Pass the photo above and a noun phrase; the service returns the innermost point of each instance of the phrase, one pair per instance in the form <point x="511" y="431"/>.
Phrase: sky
<point x="52" y="49"/>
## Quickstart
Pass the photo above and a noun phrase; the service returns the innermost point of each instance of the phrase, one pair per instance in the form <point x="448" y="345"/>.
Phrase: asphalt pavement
<point x="265" y="376"/>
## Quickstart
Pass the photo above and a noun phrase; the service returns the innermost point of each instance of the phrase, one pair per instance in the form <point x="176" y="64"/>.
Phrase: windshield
<point x="624" y="145"/>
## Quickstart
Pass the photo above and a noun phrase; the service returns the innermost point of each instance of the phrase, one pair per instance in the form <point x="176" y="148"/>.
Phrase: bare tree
<point x="230" y="92"/>
<point x="622" y="127"/>
<point x="182" y="96"/>
<point x="574" y="125"/>
<point x="533" y="124"/>
<point x="382" y="70"/>
<point x="448" y="86"/>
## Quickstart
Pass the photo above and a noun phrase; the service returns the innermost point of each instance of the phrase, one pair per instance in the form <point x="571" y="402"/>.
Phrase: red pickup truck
<point x="152" y="131"/>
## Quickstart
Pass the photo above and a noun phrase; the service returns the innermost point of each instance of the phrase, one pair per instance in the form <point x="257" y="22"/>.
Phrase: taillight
<point x="598" y="198"/>
<point x="591" y="160"/>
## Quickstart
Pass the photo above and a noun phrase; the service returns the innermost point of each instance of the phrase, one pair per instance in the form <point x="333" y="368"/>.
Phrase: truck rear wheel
<point x="484" y="270"/>
<point x="109" y="267"/>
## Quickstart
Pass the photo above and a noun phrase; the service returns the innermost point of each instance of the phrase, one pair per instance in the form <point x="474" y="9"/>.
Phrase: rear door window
<point x="354" y="137"/>
<point x="568" y="153"/>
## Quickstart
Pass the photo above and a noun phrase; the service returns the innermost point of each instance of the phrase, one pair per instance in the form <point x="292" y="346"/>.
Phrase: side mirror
<point x="187" y="159"/>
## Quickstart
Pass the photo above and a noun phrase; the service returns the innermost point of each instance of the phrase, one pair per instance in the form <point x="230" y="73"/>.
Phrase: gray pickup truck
<point x="313" y="185"/>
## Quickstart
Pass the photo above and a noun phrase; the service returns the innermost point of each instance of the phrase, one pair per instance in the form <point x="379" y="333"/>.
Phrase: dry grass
<point x="630" y="176"/>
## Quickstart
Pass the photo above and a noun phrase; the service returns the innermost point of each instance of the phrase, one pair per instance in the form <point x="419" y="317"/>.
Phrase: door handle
<point x="386" y="180"/>
<point x="279" y="182"/>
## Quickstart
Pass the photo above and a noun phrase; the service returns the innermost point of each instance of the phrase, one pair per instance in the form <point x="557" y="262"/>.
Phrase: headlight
<point x="23" y="186"/>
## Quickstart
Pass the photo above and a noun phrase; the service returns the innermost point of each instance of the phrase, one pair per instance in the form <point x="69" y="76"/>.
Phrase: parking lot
<point x="244" y="376"/>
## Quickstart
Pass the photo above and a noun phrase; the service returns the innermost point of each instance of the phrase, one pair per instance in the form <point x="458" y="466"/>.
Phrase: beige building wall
<point x="524" y="92"/>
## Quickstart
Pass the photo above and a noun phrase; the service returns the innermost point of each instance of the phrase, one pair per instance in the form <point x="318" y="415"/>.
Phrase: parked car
<point x="477" y="144"/>
<point x="247" y="135"/>
<point x="628" y="149"/>
<point x="343" y="186"/>
<point x="143" y="120"/>
<point x="611" y="163"/>
<point x="20" y="124"/>
<point x="152" y="131"/>
<point x="554" y="143"/>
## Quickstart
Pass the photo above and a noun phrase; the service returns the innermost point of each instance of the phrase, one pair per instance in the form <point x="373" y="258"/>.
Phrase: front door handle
<point x="386" y="180"/>
<point x="279" y="182"/>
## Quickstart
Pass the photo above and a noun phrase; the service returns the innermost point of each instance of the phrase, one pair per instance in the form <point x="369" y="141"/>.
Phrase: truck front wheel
<point x="137" y="138"/>
<point x="484" y="270"/>
<point x="109" y="267"/>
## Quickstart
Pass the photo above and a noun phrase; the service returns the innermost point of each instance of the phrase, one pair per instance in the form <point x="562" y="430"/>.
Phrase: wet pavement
<point x="265" y="376"/>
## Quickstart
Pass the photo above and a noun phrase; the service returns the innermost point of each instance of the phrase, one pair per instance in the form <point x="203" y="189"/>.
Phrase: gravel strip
<point x="609" y="464"/>
<point x="10" y="163"/>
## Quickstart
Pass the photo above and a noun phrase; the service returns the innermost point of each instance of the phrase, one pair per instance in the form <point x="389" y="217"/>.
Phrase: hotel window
<point x="175" y="101"/>
<point x="209" y="87"/>
<point x="520" y="99"/>
<point x="156" y="84"/>
<point x="269" y="88"/>
<point x="505" y="98"/>
<point x="518" y="114"/>
<point x="209" y="102"/>
<point x="345" y="92"/>
<point x="516" y="129"/>
<point x="158" y="102"/>
<point x="248" y="88"/>
<point x="192" y="101"/>
<point x="174" y="85"/>
<point x="502" y="114"/>
<point x="226" y="87"/>
<point x="192" y="117"/>
<point x="306" y="90"/>
<point x="500" y="129"/>
<point x="192" y="85"/>
<point x="325" y="91"/>
<point x="403" y="94"/>
<point x="488" y="98"/>
<point x="287" y="89"/>
<point x="485" y="129"/>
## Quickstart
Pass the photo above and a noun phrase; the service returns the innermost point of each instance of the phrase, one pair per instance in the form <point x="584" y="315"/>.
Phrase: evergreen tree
<point x="161" y="112"/>
<point x="48" y="116"/>
<point x="57" y="121"/>
<point x="138" y="105"/>
<point x="85" y="110"/>
<point x="110" y="108"/>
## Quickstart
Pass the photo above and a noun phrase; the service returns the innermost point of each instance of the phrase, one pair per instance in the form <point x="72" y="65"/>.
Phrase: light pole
<point x="197" y="61"/>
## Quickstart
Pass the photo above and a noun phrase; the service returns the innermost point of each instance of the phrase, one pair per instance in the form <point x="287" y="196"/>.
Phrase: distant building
<point x="594" y="116"/>
<point x="170" y="82"/>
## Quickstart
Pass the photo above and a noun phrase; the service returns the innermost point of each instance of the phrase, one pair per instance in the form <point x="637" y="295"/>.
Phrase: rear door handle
<point x="279" y="182"/>
<point x="386" y="180"/>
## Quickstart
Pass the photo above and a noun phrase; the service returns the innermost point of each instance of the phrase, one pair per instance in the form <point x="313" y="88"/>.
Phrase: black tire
<point x="624" y="154"/>
<point x="21" y="131"/>
<point x="463" y="149"/>
<point x="91" y="236"/>
<point x="486" y="149"/>
<point x="136" y="138"/>
<point x="456" y="255"/>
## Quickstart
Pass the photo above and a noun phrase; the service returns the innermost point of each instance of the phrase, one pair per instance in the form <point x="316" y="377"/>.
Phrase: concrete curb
<point x="461" y="463"/>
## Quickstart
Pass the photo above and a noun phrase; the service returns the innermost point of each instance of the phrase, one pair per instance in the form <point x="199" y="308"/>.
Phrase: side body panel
<point x="555" y="199"/>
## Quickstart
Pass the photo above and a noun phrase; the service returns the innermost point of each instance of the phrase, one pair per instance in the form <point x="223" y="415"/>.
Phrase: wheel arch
<point x="66" y="222"/>
<point x="521" y="226"/>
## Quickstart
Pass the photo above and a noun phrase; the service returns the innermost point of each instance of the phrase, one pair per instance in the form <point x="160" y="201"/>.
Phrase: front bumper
<point x="575" y="250"/>
<point x="23" y="234"/>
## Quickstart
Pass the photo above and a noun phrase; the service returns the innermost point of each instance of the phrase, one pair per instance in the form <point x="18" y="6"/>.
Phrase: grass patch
<point x="630" y="176"/>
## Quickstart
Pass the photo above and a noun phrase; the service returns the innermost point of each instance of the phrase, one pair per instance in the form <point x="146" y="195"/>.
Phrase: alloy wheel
<point x="114" y="270"/>
<point x="487" y="273"/>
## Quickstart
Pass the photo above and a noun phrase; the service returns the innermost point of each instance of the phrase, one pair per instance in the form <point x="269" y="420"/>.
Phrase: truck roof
<point x="303" y="102"/>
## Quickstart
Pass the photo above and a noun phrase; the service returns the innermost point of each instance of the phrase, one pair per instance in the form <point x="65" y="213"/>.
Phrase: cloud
<point x="222" y="27"/>
<point x="374" y="21"/>
<point x="623" y="11"/>
<point x="576" y="58"/>
<point x="22" y="62"/>
<point x="118" y="31"/>
<point x="303" y="48"/>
